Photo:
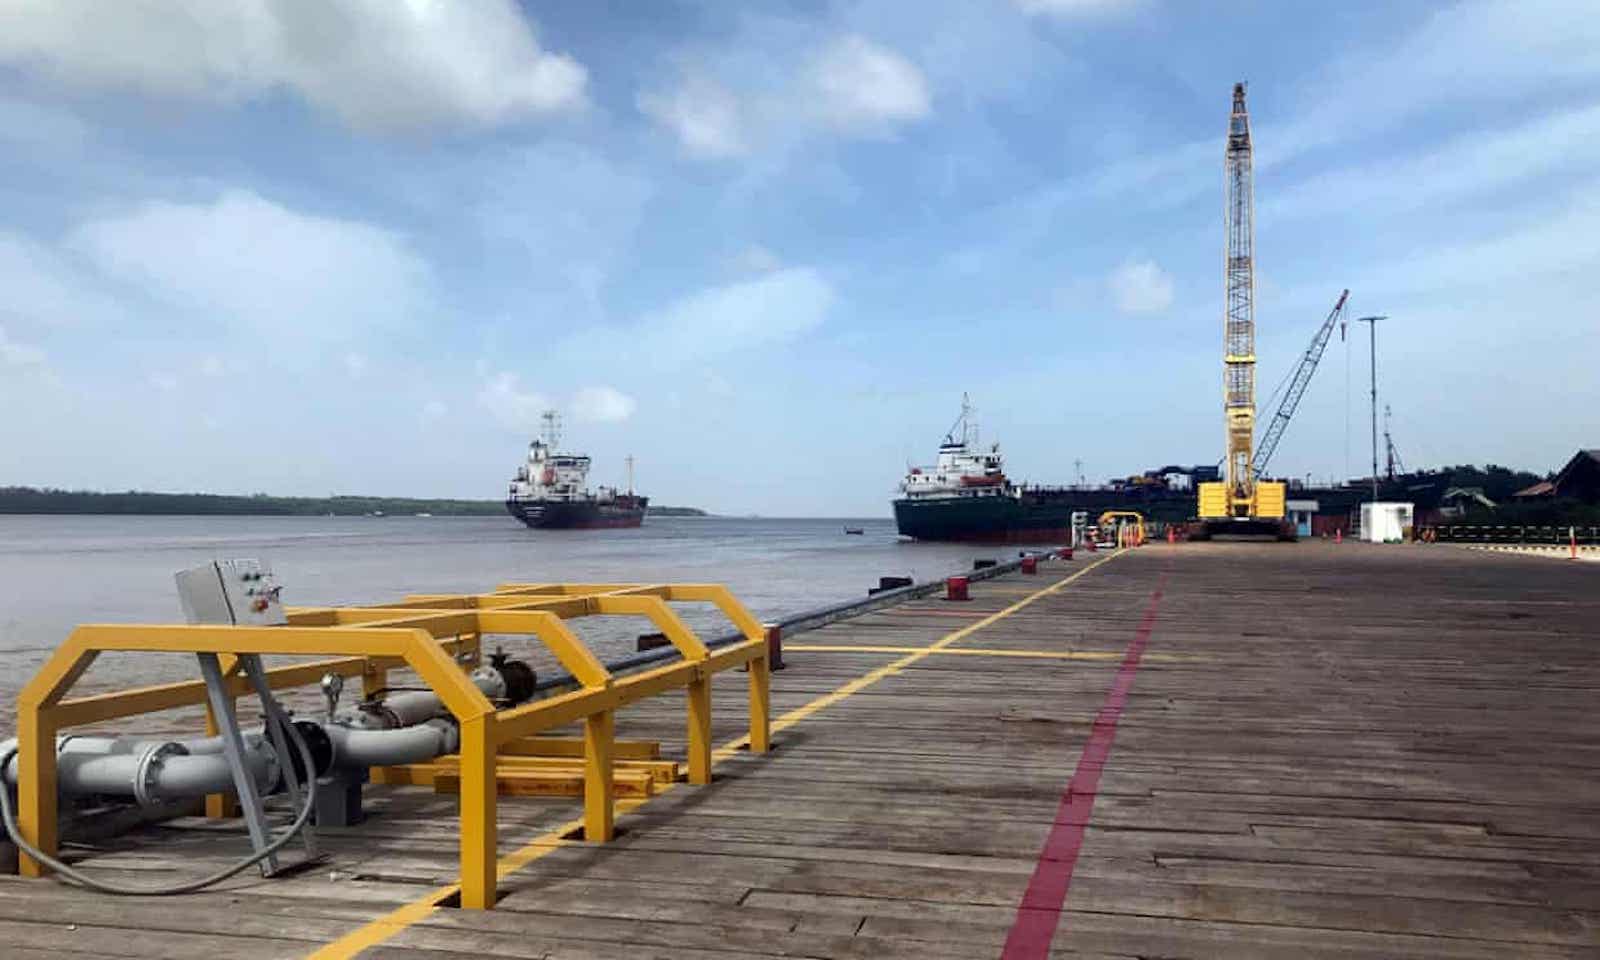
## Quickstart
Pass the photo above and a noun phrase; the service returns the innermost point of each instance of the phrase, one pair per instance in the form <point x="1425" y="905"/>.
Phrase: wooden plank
<point x="1328" y="753"/>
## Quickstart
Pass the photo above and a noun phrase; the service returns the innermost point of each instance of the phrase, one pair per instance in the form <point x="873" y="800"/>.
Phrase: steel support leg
<point x="277" y="729"/>
<point x="255" y="817"/>
<point x="700" y="730"/>
<point x="599" y="811"/>
<point x="760" y="706"/>
<point x="36" y="788"/>
<point x="478" y="830"/>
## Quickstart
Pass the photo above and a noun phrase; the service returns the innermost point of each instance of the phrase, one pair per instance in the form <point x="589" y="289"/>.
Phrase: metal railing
<point x="812" y="619"/>
<point x="1514" y="533"/>
<point x="429" y="634"/>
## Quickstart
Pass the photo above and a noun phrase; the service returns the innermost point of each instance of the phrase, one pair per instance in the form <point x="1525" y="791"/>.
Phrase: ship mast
<point x="630" y="474"/>
<point x="964" y="423"/>
<point x="1239" y="361"/>
<point x="550" y="422"/>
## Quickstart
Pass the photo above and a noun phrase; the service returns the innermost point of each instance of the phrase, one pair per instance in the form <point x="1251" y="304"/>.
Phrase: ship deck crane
<point x="1240" y="503"/>
<point x="1297" y="386"/>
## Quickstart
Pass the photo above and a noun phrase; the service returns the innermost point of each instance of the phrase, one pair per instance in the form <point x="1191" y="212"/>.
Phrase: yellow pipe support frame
<point x="599" y="766"/>
<point x="430" y="634"/>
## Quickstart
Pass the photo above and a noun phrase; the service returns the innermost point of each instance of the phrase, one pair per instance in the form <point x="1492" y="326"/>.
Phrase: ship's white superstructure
<point x="963" y="468"/>
<point x="551" y="489"/>
<point x="547" y="474"/>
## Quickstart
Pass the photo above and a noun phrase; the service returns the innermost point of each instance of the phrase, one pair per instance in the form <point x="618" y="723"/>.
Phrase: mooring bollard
<point x="1030" y="564"/>
<point x="774" y="647"/>
<point x="1066" y="553"/>
<point x="955" y="588"/>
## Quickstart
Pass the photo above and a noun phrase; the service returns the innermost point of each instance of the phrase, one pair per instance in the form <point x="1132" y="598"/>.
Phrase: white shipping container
<point x="1385" y="522"/>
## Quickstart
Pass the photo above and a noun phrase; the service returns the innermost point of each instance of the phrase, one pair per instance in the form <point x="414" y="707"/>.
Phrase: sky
<point x="314" y="247"/>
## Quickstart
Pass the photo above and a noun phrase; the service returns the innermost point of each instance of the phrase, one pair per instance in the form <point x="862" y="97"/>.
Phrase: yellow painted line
<point x="918" y="653"/>
<point x="975" y="652"/>
<point x="399" y="919"/>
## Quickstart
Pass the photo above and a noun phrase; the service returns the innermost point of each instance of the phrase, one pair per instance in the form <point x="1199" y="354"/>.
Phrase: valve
<point x="332" y="685"/>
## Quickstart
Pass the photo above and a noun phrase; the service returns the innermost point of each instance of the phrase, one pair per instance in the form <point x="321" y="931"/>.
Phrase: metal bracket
<point x="277" y="723"/>
<point x="255" y="816"/>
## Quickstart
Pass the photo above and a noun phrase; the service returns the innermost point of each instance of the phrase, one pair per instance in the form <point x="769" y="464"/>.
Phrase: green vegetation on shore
<point x="33" y="500"/>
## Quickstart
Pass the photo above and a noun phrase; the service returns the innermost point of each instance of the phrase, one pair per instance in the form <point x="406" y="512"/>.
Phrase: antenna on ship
<point x="551" y="421"/>
<point x="963" y="423"/>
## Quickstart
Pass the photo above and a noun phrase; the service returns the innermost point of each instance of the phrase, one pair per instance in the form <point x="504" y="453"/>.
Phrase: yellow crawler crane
<point x="1239" y="503"/>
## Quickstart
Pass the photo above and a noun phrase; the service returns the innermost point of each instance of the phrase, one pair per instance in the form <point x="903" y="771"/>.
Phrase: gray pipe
<point x="409" y="727"/>
<point x="148" y="771"/>
<point x="382" y="748"/>
<point x="412" y="707"/>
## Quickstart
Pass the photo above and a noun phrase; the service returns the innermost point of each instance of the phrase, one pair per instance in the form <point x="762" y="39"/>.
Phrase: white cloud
<point x="602" y="405"/>
<point x="212" y="366"/>
<point x="774" y="95"/>
<point x="515" y="408"/>
<point x="244" y="260"/>
<point x="165" y="382"/>
<point x="864" y="86"/>
<point x="375" y="64"/>
<point x="1140" y="286"/>
<point x="18" y="355"/>
<point x="775" y="308"/>
<point x="355" y="364"/>
<point x="703" y="114"/>
<point x="433" y="411"/>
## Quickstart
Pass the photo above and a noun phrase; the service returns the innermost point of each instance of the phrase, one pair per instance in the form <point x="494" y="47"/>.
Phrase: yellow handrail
<point x="427" y="633"/>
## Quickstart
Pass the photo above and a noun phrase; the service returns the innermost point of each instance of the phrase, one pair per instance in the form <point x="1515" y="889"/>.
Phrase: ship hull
<point x="985" y="519"/>
<point x="578" y="514"/>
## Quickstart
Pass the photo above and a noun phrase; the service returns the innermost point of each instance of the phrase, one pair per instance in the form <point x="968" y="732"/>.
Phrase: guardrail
<point x="1511" y="533"/>
<point x="812" y="619"/>
<point x="427" y="633"/>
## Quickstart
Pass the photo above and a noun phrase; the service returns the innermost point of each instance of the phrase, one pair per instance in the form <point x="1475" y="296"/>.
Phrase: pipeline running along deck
<point x="1240" y="750"/>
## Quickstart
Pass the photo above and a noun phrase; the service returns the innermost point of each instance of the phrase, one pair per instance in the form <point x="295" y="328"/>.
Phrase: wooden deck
<point x="1273" y="750"/>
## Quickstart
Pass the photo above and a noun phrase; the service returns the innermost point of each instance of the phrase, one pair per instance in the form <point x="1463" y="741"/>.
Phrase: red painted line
<point x="1039" y="914"/>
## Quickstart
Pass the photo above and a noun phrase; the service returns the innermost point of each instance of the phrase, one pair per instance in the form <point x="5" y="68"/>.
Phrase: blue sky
<point x="356" y="246"/>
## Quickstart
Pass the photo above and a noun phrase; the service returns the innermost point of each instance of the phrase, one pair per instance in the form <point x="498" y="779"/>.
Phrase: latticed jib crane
<point x="1240" y="503"/>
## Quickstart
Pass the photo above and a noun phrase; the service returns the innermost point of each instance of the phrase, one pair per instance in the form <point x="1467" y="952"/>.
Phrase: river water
<point x="57" y="572"/>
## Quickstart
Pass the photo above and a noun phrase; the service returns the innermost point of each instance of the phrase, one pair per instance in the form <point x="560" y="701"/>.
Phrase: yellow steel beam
<point x="424" y="632"/>
<point x="599" y="813"/>
<point x="663" y="616"/>
<point x="579" y="660"/>
<point x="715" y="593"/>
<point x="479" y="831"/>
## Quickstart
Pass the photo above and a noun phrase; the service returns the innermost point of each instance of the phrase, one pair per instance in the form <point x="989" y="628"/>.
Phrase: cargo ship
<point x="550" y="490"/>
<point x="965" y="495"/>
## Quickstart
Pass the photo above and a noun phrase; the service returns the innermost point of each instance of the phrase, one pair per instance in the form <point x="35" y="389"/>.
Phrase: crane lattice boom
<point x="1238" y="497"/>
<point x="1239" y="325"/>
<point x="1297" y="386"/>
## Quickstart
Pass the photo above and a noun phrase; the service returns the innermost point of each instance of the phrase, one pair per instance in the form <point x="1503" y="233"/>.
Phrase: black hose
<point x="794" y="623"/>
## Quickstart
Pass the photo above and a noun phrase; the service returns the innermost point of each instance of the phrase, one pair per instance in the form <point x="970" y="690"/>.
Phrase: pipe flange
<point x="149" y="771"/>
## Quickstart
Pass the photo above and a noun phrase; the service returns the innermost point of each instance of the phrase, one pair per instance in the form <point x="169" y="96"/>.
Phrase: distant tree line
<point x="35" y="500"/>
